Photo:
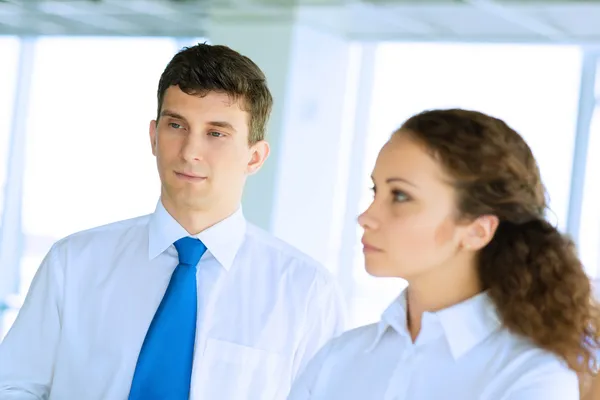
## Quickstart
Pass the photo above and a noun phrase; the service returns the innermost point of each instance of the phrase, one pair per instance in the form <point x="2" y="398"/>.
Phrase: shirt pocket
<point x="229" y="371"/>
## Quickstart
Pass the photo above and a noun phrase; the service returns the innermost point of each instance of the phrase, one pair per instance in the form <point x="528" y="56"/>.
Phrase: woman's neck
<point x="439" y="289"/>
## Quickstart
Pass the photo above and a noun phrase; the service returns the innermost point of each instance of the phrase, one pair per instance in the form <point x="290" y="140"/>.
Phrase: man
<point x="191" y="301"/>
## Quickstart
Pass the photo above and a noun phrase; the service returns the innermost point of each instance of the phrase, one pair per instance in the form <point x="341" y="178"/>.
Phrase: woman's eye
<point x="400" y="196"/>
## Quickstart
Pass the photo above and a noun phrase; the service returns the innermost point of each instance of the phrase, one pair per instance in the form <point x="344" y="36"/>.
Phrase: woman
<point x="497" y="303"/>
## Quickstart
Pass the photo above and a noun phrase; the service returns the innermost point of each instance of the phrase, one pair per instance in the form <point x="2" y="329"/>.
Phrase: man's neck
<point x="196" y="221"/>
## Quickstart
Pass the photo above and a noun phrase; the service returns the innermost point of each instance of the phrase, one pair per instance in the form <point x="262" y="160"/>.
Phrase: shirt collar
<point x="394" y="317"/>
<point x="222" y="240"/>
<point x="464" y="325"/>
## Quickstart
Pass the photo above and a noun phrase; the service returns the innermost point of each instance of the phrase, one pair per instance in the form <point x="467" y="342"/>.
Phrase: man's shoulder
<point x="100" y="235"/>
<point x="283" y="253"/>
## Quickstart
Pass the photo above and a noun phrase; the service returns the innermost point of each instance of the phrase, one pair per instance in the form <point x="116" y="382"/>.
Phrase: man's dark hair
<point x="205" y="68"/>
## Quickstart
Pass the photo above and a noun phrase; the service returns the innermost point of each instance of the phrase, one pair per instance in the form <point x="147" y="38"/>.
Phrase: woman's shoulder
<point x="520" y="350"/>
<point x="356" y="339"/>
<point x="338" y="351"/>
<point x="525" y="367"/>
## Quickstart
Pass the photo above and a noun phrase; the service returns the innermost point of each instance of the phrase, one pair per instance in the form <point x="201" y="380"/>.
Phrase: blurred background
<point x="78" y="84"/>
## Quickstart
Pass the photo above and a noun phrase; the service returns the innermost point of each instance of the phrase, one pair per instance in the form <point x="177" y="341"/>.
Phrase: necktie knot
<point x="190" y="250"/>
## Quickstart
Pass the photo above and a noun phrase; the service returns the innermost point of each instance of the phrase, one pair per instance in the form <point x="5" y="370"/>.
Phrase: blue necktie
<point x="164" y="366"/>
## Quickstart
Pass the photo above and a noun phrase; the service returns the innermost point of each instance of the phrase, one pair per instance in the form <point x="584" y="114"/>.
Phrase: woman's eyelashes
<point x="398" y="196"/>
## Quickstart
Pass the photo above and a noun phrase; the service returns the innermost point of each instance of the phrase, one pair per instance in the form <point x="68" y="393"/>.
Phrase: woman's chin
<point x="379" y="271"/>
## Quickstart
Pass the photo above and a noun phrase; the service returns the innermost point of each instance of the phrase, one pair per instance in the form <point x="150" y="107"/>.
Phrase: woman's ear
<point x="480" y="232"/>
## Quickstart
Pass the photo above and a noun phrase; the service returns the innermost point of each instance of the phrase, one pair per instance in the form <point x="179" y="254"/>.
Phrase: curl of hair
<point x="530" y="270"/>
<point x="541" y="290"/>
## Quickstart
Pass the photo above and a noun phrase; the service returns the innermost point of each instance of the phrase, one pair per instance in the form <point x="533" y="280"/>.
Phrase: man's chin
<point x="188" y="197"/>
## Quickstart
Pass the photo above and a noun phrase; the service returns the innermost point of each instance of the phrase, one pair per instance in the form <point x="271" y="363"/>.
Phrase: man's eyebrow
<point x="222" y="124"/>
<point x="172" y="114"/>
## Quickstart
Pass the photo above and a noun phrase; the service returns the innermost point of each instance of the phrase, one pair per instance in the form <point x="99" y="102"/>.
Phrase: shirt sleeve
<point x="28" y="351"/>
<point x="555" y="382"/>
<point x="327" y="318"/>
<point x="304" y="386"/>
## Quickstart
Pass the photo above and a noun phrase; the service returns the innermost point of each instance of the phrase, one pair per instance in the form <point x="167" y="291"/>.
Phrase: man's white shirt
<point x="264" y="309"/>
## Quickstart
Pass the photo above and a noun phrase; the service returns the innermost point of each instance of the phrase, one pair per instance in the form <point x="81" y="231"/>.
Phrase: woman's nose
<point x="366" y="221"/>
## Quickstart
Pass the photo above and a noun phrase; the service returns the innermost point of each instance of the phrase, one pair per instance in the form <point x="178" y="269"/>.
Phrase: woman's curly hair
<point x="530" y="270"/>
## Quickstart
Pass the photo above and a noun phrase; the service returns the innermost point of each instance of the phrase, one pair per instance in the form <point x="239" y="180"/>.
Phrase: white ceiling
<point x="418" y="20"/>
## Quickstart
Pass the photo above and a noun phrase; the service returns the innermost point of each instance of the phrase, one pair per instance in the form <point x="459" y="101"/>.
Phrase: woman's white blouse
<point x="462" y="353"/>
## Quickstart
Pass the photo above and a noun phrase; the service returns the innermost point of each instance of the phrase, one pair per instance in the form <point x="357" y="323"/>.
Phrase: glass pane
<point x="511" y="82"/>
<point x="589" y="236"/>
<point x="9" y="54"/>
<point x="89" y="160"/>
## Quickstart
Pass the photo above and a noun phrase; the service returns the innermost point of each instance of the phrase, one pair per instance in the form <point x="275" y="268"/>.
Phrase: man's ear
<point x="259" y="152"/>
<point x="152" y="128"/>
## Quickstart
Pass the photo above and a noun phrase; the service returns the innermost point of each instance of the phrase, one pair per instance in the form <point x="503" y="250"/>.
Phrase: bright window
<point x="9" y="54"/>
<point x="589" y="230"/>
<point x="89" y="160"/>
